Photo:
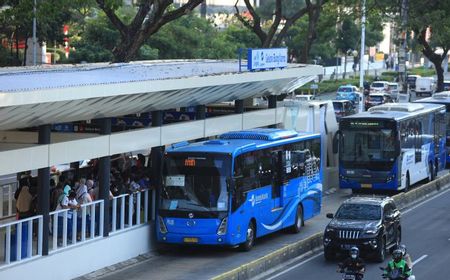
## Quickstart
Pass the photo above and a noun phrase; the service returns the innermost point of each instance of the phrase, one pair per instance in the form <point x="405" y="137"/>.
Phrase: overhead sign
<point x="262" y="59"/>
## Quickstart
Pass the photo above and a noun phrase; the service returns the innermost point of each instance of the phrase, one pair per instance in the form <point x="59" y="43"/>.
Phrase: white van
<point x="425" y="86"/>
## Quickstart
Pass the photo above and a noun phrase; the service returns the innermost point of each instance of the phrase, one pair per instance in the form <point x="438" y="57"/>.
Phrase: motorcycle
<point x="351" y="275"/>
<point x="396" y="274"/>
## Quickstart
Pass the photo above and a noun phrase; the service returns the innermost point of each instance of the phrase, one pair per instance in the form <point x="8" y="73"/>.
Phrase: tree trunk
<point x="127" y="48"/>
<point x="17" y="48"/>
<point x="313" y="17"/>
<point x="435" y="58"/>
<point x="439" y="71"/>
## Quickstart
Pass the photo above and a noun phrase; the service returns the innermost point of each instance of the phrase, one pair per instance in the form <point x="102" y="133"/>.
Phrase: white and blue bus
<point x="241" y="186"/>
<point x="444" y="99"/>
<point x="392" y="146"/>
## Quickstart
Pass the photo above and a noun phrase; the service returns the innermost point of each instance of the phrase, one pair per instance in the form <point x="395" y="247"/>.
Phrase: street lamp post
<point x="363" y="38"/>
<point x="34" y="33"/>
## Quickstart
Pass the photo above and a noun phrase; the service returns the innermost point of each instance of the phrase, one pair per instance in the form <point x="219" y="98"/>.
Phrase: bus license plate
<point x="366" y="186"/>
<point x="190" y="240"/>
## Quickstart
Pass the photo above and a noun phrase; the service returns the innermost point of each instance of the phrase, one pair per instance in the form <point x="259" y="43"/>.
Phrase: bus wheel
<point x="298" y="220"/>
<point x="407" y="183"/>
<point x="249" y="239"/>
<point x="431" y="170"/>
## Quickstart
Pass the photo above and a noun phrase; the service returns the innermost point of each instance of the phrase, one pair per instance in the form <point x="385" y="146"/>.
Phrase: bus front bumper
<point x="194" y="239"/>
<point x="356" y="184"/>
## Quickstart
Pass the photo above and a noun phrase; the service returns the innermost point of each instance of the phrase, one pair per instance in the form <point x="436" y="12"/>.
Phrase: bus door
<point x="277" y="185"/>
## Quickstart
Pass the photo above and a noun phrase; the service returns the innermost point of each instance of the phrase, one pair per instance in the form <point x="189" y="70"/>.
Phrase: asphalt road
<point x="426" y="234"/>
<point x="206" y="262"/>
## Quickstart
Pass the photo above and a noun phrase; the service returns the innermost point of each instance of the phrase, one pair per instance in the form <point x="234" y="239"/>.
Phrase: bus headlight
<point x="223" y="227"/>
<point x="162" y="226"/>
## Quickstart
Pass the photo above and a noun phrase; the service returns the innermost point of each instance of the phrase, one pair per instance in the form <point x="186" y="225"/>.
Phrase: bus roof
<point x="437" y="98"/>
<point x="397" y="111"/>
<point x="238" y="142"/>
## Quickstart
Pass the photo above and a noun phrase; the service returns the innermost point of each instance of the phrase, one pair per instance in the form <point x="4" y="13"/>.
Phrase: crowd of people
<point x="128" y="175"/>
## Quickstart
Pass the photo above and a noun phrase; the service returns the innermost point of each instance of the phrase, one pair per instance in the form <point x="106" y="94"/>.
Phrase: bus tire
<point x="431" y="170"/>
<point x="249" y="238"/>
<point x="407" y="182"/>
<point x="299" y="222"/>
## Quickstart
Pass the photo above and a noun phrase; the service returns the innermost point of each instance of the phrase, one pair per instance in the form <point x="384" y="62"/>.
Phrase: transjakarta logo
<point x="258" y="198"/>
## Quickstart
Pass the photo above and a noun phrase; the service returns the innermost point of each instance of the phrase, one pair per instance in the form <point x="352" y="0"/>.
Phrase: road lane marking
<point x="294" y="266"/>
<point x="419" y="259"/>
<point x="425" y="201"/>
<point x="403" y="212"/>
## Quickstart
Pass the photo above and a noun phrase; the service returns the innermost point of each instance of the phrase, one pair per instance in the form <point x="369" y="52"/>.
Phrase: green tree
<point x="266" y="22"/>
<point x="432" y="16"/>
<point x="195" y="37"/>
<point x="16" y="20"/>
<point x="149" y="17"/>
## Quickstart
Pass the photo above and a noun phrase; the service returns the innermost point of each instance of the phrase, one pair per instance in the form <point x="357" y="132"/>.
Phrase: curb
<point x="298" y="248"/>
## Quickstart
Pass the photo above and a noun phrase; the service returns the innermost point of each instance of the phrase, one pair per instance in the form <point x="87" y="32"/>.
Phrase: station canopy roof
<point x="32" y="96"/>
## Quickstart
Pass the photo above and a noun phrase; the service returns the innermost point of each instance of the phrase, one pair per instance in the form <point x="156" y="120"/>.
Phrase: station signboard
<point x="263" y="59"/>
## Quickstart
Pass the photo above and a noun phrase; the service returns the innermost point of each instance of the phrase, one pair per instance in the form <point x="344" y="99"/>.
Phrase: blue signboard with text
<point x="262" y="59"/>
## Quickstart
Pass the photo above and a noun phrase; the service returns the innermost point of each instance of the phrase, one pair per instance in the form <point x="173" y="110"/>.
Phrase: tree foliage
<point x="273" y="20"/>
<point x="149" y="17"/>
<point x="432" y="16"/>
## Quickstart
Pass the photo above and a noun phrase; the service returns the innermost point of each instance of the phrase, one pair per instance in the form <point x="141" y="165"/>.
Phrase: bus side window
<point x="265" y="167"/>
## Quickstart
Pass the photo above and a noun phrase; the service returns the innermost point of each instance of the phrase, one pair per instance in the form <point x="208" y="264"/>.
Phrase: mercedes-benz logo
<point x="190" y="223"/>
<point x="191" y="215"/>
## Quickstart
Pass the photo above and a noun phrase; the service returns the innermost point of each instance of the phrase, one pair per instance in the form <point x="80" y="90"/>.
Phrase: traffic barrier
<point x="298" y="248"/>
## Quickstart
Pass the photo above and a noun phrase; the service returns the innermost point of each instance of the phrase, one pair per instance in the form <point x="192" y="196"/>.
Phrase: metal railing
<point x="7" y="201"/>
<point x="130" y="210"/>
<point x="69" y="227"/>
<point x="22" y="240"/>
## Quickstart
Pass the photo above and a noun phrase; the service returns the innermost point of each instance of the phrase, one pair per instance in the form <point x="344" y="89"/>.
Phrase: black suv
<point x="370" y="223"/>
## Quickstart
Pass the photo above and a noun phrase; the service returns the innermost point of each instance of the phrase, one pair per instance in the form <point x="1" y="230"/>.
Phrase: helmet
<point x="397" y="255"/>
<point x="354" y="252"/>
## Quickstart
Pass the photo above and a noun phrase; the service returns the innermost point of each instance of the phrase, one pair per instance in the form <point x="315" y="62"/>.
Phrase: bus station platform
<point x="111" y="230"/>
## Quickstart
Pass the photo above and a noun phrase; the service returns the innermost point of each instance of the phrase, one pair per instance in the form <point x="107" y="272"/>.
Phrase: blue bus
<point x="444" y="99"/>
<point x="391" y="147"/>
<point x="241" y="186"/>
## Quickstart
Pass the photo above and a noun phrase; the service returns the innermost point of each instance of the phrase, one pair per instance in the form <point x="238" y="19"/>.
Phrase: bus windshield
<point x="371" y="148"/>
<point x="195" y="183"/>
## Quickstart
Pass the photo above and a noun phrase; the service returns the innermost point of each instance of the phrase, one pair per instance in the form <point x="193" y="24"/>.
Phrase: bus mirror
<point x="336" y="141"/>
<point x="230" y="184"/>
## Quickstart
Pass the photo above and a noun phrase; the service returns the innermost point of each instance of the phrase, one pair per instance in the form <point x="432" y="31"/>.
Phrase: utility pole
<point x="34" y="33"/>
<point x="402" y="49"/>
<point x="363" y="45"/>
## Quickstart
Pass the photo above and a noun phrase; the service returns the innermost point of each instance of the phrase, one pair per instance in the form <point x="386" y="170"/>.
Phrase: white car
<point x="425" y="85"/>
<point x="394" y="90"/>
<point x="379" y="86"/>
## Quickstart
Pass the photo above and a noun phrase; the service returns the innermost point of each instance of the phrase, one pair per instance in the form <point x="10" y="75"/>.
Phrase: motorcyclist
<point x="353" y="264"/>
<point x="397" y="265"/>
<point x="406" y="256"/>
